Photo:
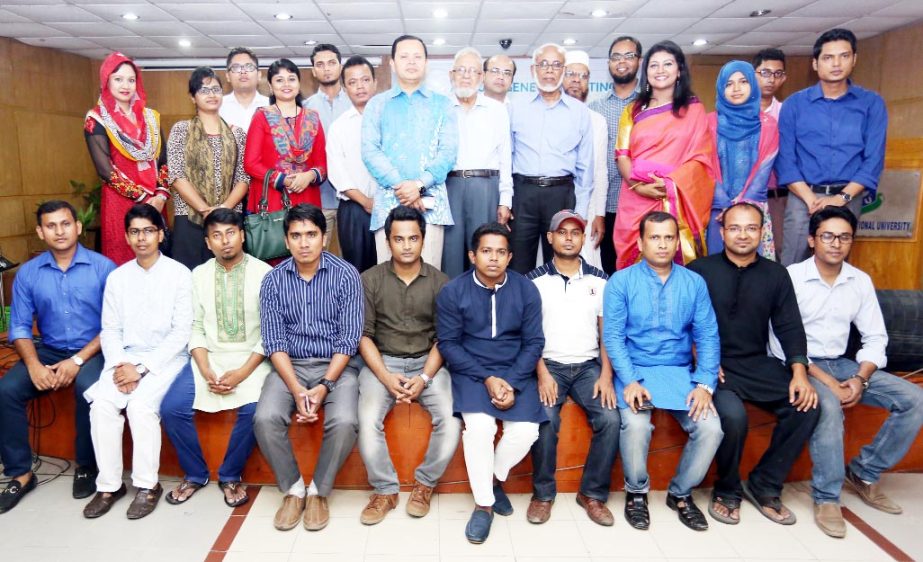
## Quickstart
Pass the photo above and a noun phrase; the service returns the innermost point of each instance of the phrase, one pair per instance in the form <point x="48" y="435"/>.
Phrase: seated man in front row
<point x="402" y="365"/>
<point x="228" y="366"/>
<point x="62" y="289"/>
<point x="146" y="324"/>
<point x="489" y="328"/>
<point x="655" y="311"/>
<point x="573" y="364"/>
<point x="311" y="320"/>
<point x="833" y="294"/>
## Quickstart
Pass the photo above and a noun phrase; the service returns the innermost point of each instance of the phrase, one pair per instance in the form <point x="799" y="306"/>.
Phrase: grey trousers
<point x="374" y="404"/>
<point x="341" y="424"/>
<point x="795" y="244"/>
<point x="473" y="202"/>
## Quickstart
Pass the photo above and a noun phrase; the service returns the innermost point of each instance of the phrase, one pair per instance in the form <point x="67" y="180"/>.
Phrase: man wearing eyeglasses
<point x="770" y="72"/>
<point x="832" y="295"/>
<point x="238" y="107"/>
<point x="480" y="185"/>
<point x="624" y="59"/>
<point x="552" y="157"/>
<point x="499" y="71"/>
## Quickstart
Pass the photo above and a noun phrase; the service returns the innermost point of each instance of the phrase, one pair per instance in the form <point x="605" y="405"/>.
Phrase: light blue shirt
<point x="409" y="137"/>
<point x="649" y="328"/>
<point x="328" y="111"/>
<point x="554" y="141"/>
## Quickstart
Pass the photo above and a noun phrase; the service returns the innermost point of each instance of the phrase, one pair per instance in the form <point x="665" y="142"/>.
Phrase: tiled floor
<point x="48" y="526"/>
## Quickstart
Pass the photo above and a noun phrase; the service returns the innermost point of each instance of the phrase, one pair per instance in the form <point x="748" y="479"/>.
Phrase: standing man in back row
<point x="238" y="107"/>
<point x="831" y="142"/>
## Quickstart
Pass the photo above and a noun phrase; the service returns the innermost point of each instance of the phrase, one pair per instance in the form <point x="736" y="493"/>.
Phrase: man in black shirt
<point x="748" y="292"/>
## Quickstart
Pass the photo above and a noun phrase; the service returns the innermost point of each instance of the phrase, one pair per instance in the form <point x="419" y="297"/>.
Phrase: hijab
<point x="738" y="129"/>
<point x="140" y="140"/>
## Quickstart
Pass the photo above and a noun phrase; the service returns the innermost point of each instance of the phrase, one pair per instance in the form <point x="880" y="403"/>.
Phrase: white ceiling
<point x="94" y="28"/>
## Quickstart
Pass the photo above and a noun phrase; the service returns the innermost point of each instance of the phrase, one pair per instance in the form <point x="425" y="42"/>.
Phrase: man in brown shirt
<point x="402" y="365"/>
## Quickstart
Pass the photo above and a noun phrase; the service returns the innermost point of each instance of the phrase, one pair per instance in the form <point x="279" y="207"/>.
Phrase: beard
<point x="579" y="94"/>
<point x="329" y="82"/>
<point x="464" y="93"/>
<point x="548" y="88"/>
<point x="627" y="79"/>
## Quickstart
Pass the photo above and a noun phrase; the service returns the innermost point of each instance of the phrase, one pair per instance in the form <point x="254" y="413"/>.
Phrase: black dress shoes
<point x="14" y="492"/>
<point x="636" y="512"/>
<point x="689" y="513"/>
<point x="84" y="482"/>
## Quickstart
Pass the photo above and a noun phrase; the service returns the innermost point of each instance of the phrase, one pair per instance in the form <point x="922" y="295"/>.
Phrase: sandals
<point x="233" y="487"/>
<point x="766" y="503"/>
<point x="729" y="504"/>
<point x="183" y="487"/>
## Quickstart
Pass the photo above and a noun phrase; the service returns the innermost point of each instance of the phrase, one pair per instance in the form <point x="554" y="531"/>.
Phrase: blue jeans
<point x="704" y="438"/>
<point x="177" y="416"/>
<point x="576" y="381"/>
<point x="904" y="401"/>
<point x="16" y="390"/>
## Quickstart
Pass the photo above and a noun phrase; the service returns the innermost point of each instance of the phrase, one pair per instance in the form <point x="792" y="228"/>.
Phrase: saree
<point x="681" y="151"/>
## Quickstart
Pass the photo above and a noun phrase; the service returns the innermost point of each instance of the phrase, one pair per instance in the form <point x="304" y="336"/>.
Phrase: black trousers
<point x="789" y="437"/>
<point x="533" y="207"/>
<point x="357" y="242"/>
<point x="188" y="243"/>
<point x="607" y="247"/>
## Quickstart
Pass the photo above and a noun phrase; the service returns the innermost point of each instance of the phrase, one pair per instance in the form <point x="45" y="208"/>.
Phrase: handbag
<point x="265" y="232"/>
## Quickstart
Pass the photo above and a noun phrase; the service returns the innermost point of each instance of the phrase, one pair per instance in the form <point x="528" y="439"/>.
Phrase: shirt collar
<point x="648" y="270"/>
<point x="815" y="92"/>
<point x="565" y="99"/>
<point x="478" y="100"/>
<point x="422" y="90"/>
<point x="727" y="260"/>
<point x="483" y="286"/>
<point x="290" y="264"/>
<point x="81" y="255"/>
<point x="584" y="269"/>
<point x="634" y="93"/>
<point x="422" y="273"/>
<point x="811" y="273"/>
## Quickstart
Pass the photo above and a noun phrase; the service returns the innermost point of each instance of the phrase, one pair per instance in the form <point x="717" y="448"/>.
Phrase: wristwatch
<point x="77" y="360"/>
<point x="142" y="370"/>
<point x="706" y="388"/>
<point x="427" y="380"/>
<point x="846" y="197"/>
<point x="422" y="186"/>
<point x="328" y="384"/>
<point x="865" y="382"/>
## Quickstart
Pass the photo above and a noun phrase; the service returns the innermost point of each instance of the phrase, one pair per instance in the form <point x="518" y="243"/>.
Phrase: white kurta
<point x="146" y="319"/>
<point x="226" y="322"/>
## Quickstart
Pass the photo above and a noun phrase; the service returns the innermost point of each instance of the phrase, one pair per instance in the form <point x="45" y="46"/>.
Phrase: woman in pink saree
<point x="667" y="155"/>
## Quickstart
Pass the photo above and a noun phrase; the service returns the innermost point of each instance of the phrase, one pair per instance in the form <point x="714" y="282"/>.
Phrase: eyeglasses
<point x="749" y="229"/>
<point x="828" y="238"/>
<point x="555" y="65"/>
<point x="766" y="73"/>
<point x="148" y="231"/>
<point x="618" y="57"/>
<point x="205" y="90"/>
<point x="500" y="72"/>
<point x="241" y="68"/>
<point x="467" y="70"/>
<point x="575" y="74"/>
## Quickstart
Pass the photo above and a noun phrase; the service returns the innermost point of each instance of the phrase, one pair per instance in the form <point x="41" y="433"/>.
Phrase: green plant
<point x="91" y="198"/>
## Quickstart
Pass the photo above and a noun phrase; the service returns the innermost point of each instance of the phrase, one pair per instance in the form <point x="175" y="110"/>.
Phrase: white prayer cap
<point x="577" y="57"/>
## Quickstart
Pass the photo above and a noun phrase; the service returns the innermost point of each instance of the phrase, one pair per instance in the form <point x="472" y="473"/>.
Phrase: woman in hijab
<point x="205" y="157"/>
<point x="124" y="140"/>
<point x="747" y="141"/>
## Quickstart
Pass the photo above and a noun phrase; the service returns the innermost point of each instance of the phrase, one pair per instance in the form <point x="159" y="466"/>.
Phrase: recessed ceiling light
<point x="700" y="42"/>
<point x="130" y="16"/>
<point x="310" y="42"/>
<point x="440" y="13"/>
<point x="185" y="43"/>
<point x="759" y="13"/>
<point x="570" y="41"/>
<point x="283" y="16"/>
<point x="438" y="41"/>
<point x="599" y="13"/>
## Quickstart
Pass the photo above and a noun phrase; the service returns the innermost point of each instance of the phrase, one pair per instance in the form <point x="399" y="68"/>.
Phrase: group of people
<point x="426" y="186"/>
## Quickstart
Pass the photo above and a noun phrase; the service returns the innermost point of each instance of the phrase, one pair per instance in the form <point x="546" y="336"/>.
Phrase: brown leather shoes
<point x="289" y="513"/>
<point x="596" y="510"/>
<point x="872" y="494"/>
<point x="379" y="505"/>
<point x="539" y="511"/>
<point x="145" y="502"/>
<point x="316" y="513"/>
<point x="829" y="517"/>
<point x="102" y="502"/>
<point x="418" y="503"/>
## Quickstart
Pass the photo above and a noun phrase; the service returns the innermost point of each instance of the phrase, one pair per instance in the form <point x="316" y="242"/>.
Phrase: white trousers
<point x="483" y="462"/>
<point x="106" y="427"/>
<point x="432" y="245"/>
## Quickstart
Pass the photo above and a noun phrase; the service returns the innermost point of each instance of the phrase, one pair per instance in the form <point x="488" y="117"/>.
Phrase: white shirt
<point x="236" y="114"/>
<point x="345" y="168"/>
<point x="828" y="311"/>
<point x="484" y="141"/>
<point x="570" y="312"/>
<point x="146" y="320"/>
<point x="590" y="252"/>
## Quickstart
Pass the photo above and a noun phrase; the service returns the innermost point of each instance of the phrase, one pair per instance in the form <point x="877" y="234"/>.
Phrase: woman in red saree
<point x="125" y="143"/>
<point x="666" y="154"/>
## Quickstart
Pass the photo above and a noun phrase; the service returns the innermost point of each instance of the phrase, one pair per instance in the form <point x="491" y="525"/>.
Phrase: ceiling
<point x="94" y="28"/>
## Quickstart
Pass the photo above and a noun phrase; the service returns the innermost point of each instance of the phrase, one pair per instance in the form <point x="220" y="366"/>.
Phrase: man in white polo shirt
<point x="573" y="363"/>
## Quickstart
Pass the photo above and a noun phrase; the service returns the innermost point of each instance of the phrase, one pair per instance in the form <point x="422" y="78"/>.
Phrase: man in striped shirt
<point x="311" y="312"/>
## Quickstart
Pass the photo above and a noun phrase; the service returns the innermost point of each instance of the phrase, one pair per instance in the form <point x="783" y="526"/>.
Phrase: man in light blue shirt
<point x="654" y="312"/>
<point x="329" y="102"/>
<point x="552" y="157"/>
<point x="409" y="145"/>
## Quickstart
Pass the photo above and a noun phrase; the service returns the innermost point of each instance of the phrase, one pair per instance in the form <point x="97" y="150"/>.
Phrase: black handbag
<point x="265" y="233"/>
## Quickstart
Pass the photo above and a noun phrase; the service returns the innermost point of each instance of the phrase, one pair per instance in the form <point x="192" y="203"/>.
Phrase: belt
<point x="777" y="193"/>
<point x="474" y="173"/>
<point x="828" y="188"/>
<point x="544" y="181"/>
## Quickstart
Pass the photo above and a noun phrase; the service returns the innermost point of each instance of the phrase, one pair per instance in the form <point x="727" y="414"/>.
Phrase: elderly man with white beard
<point x="480" y="186"/>
<point x="552" y="140"/>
